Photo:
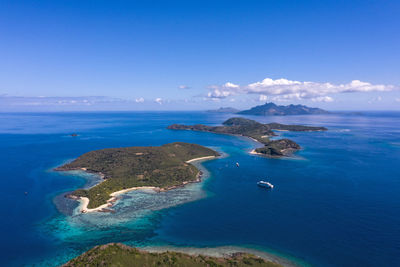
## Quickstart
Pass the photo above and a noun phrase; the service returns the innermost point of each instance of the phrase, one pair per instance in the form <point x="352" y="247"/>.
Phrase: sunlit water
<point x="335" y="204"/>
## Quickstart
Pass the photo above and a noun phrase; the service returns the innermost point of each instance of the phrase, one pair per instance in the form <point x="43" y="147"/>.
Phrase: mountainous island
<point x="116" y="254"/>
<point x="129" y="168"/>
<point x="257" y="131"/>
<point x="273" y="109"/>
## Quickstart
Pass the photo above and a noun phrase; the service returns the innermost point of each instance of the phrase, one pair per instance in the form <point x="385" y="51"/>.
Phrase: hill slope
<point x="116" y="254"/>
<point x="164" y="166"/>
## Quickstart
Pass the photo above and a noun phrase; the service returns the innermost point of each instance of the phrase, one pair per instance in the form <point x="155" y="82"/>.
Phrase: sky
<point x="196" y="55"/>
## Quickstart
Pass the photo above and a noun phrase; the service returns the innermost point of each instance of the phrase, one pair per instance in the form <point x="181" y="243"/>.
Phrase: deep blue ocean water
<point x="337" y="203"/>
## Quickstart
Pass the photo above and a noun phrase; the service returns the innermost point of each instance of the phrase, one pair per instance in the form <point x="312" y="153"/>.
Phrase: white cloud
<point x="311" y="89"/>
<point x="286" y="98"/>
<point x="53" y="101"/>
<point x="158" y="100"/>
<point x="184" y="87"/>
<point x="284" y="89"/>
<point x="263" y="98"/>
<point x="375" y="99"/>
<point x="322" y="99"/>
<point x="218" y="92"/>
<point x="231" y="85"/>
<point x="139" y="100"/>
<point x="397" y="99"/>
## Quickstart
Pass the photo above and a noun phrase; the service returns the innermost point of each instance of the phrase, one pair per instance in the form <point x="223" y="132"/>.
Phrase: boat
<point x="265" y="184"/>
<point x="237" y="164"/>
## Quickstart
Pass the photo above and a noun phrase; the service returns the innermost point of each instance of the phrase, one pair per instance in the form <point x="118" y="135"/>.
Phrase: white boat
<point x="265" y="184"/>
<point x="237" y="164"/>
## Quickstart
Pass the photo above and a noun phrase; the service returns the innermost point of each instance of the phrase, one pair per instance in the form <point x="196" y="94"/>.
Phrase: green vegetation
<point x="235" y="126"/>
<point x="277" y="148"/>
<point x="258" y="131"/>
<point x="116" y="254"/>
<point x="164" y="166"/>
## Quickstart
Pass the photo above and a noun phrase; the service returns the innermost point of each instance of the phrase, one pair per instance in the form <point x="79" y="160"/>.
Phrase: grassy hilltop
<point x="124" y="256"/>
<point x="164" y="166"/>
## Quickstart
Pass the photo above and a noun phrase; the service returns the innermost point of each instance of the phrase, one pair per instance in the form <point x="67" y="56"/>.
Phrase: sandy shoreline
<point x="201" y="158"/>
<point x="83" y="207"/>
<point x="84" y="201"/>
<point x="253" y="152"/>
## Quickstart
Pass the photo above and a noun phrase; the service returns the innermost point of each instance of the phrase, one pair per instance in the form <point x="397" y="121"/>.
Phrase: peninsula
<point x="257" y="131"/>
<point x="117" y="254"/>
<point x="130" y="168"/>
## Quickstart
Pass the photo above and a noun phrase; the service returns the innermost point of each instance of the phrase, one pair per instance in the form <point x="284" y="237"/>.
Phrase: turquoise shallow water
<point x="335" y="204"/>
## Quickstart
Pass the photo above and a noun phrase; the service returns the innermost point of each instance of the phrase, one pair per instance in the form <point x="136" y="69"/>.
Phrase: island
<point x="224" y="110"/>
<point x="273" y="109"/>
<point x="130" y="168"/>
<point x="257" y="131"/>
<point x="117" y="254"/>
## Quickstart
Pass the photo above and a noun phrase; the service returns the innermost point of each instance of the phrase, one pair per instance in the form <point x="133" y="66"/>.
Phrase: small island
<point x="131" y="168"/>
<point x="117" y="254"/>
<point x="256" y="131"/>
<point x="224" y="110"/>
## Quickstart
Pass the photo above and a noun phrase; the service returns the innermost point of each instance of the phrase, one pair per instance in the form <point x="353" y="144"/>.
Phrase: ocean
<point x="336" y="203"/>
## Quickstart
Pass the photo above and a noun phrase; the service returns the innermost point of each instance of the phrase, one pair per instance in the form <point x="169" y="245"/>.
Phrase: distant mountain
<point x="272" y="109"/>
<point x="224" y="110"/>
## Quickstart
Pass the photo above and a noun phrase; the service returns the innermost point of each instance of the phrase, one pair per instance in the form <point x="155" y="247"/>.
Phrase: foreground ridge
<point x="117" y="254"/>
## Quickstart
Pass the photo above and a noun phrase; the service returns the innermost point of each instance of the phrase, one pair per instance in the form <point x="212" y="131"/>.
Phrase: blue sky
<point x="173" y="55"/>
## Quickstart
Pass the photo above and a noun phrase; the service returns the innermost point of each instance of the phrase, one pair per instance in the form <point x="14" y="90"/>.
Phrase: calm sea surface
<point x="336" y="204"/>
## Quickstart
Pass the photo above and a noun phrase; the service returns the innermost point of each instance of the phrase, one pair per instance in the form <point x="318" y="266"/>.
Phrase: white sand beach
<point x="85" y="202"/>
<point x="201" y="158"/>
<point x="253" y="152"/>
<point x="120" y="192"/>
<point x="83" y="208"/>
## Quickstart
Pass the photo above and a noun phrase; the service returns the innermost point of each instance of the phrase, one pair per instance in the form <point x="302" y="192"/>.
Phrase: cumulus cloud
<point x="263" y="98"/>
<point x="311" y="89"/>
<point x="54" y="102"/>
<point x="284" y="89"/>
<point x="158" y="100"/>
<point x="375" y="99"/>
<point x="184" y="87"/>
<point x="218" y="92"/>
<point x="139" y="100"/>
<point x="322" y="99"/>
